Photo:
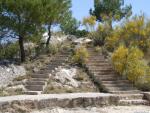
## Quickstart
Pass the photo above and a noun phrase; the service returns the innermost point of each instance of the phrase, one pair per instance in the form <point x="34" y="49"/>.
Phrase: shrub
<point x="9" y="51"/>
<point x="119" y="59"/>
<point x="112" y="41"/>
<point x="80" y="56"/>
<point x="52" y="49"/>
<point x="100" y="34"/>
<point x="98" y="49"/>
<point x="136" y="67"/>
<point x="89" y="22"/>
<point x="135" y="32"/>
<point x="129" y="62"/>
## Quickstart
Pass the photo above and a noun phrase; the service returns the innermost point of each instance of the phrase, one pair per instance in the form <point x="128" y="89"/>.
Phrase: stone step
<point x="30" y="82"/>
<point x="32" y="92"/>
<point x="34" y="87"/>
<point x="103" y="73"/>
<point x="134" y="102"/>
<point x="104" y="78"/>
<point x="116" y="82"/>
<point x="97" y="61"/>
<point x="121" y="84"/>
<point x="130" y="96"/>
<point x="96" y="58"/>
<point x="124" y="88"/>
<point x="101" y="69"/>
<point x="59" y="59"/>
<point x="126" y="92"/>
<point x="40" y="76"/>
<point x="98" y="64"/>
<point x="38" y="79"/>
<point x="45" y="71"/>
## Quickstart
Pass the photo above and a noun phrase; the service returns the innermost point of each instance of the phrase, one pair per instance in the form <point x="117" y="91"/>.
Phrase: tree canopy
<point x="110" y="10"/>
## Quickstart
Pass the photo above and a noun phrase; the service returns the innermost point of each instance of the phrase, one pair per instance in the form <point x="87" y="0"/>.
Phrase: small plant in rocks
<point x="80" y="55"/>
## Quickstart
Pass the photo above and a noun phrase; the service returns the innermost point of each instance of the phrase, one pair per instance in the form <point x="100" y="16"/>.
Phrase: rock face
<point x="54" y="39"/>
<point x="65" y="76"/>
<point x="9" y="72"/>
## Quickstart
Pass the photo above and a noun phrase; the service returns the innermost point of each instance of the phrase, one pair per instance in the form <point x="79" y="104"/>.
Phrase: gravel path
<point x="111" y="109"/>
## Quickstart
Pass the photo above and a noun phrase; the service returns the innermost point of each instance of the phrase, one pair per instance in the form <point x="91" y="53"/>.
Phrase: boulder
<point x="82" y="41"/>
<point x="54" y="39"/>
<point x="9" y="72"/>
<point x="65" y="76"/>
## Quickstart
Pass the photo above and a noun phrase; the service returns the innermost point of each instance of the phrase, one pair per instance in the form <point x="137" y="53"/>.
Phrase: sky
<point x="80" y="8"/>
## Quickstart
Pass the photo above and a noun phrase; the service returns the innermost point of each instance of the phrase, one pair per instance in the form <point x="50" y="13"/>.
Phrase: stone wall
<point x="28" y="102"/>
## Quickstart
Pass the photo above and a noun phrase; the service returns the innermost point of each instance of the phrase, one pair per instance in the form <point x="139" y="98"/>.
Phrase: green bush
<point x="9" y="51"/>
<point x="100" y="35"/>
<point x="52" y="49"/>
<point x="80" y="56"/>
<point x="144" y="86"/>
<point x="129" y="62"/>
<point x="134" y="32"/>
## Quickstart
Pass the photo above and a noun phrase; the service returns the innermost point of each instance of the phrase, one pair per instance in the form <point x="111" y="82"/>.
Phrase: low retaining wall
<point x="58" y="100"/>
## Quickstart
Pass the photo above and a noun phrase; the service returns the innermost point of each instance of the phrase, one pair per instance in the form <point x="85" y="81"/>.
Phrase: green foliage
<point x="80" y="33"/>
<point x="98" y="49"/>
<point x="89" y="22"/>
<point x="23" y="18"/>
<point x="129" y="62"/>
<point x="80" y="56"/>
<point x="9" y="51"/>
<point x="135" y="32"/>
<point x="52" y="49"/>
<point x="69" y="25"/>
<point x="100" y="34"/>
<point x="55" y="12"/>
<point x="119" y="59"/>
<point x="108" y="10"/>
<point x="136" y="69"/>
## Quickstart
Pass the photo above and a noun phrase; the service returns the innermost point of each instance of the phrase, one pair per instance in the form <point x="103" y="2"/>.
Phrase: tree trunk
<point x="22" y="51"/>
<point x="49" y="35"/>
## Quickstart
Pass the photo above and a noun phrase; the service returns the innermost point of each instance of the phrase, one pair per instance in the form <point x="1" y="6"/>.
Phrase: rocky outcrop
<point x="65" y="76"/>
<point x="10" y="71"/>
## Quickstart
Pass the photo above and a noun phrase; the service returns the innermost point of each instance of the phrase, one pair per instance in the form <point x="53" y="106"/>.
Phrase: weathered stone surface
<point x="9" y="72"/>
<point x="57" y="100"/>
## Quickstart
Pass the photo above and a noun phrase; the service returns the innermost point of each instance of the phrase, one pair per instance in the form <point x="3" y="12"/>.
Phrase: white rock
<point x="65" y="76"/>
<point x="9" y="72"/>
<point x="82" y="41"/>
<point x="54" y="39"/>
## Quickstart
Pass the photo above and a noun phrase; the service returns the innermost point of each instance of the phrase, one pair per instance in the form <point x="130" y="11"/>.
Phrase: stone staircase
<point x="106" y="79"/>
<point x="38" y="81"/>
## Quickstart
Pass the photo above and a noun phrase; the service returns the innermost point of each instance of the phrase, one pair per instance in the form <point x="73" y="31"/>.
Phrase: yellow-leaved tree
<point x="130" y="63"/>
<point x="134" y="32"/>
<point x="119" y="59"/>
<point x="89" y="22"/>
<point x="136" y="68"/>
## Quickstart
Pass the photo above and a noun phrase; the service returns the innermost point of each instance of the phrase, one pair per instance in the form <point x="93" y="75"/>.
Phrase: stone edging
<point x="59" y="100"/>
